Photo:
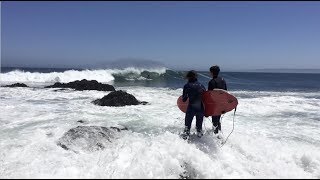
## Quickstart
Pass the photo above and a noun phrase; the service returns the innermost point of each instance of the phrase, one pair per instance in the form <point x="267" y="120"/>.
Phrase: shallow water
<point x="276" y="136"/>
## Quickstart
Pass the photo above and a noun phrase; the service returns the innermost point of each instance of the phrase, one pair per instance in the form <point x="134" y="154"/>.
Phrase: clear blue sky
<point x="234" y="35"/>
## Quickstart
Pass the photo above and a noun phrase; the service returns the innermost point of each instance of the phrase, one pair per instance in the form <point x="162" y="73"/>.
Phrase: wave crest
<point x="101" y="75"/>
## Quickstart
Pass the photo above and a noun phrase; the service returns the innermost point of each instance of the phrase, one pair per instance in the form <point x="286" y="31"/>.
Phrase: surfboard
<point x="216" y="102"/>
<point x="182" y="105"/>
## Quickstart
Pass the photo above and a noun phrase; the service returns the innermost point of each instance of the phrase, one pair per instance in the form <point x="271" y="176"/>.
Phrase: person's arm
<point x="225" y="85"/>
<point x="185" y="93"/>
<point x="210" y="87"/>
<point x="204" y="90"/>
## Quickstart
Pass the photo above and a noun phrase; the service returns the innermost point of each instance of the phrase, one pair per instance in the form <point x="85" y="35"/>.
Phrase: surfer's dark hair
<point x="215" y="70"/>
<point x="192" y="75"/>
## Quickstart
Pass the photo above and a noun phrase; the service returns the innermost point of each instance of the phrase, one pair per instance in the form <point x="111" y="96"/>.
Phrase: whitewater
<point x="101" y="75"/>
<point x="276" y="133"/>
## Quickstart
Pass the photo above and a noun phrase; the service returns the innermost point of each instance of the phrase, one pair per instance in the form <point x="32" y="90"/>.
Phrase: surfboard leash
<point x="234" y="115"/>
<point x="204" y="75"/>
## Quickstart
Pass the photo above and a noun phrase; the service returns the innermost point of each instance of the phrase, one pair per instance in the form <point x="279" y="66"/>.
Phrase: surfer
<point x="216" y="82"/>
<point x="193" y="90"/>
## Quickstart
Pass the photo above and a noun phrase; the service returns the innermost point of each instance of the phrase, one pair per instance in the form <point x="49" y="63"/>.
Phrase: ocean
<point x="276" y="126"/>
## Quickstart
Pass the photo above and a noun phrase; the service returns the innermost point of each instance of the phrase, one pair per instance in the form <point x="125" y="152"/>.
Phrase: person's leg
<point x="216" y="123"/>
<point x="188" y="121"/>
<point x="199" y="122"/>
<point x="199" y="117"/>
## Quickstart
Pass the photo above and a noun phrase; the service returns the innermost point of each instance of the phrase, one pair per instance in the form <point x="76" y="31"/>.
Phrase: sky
<point x="180" y="35"/>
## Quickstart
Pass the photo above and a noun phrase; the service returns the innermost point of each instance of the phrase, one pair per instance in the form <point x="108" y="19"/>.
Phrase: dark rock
<point x="143" y="102"/>
<point x="118" y="98"/>
<point x="84" y="85"/>
<point x="16" y="85"/>
<point x="58" y="90"/>
<point x="119" y="129"/>
<point x="64" y="146"/>
<point x="88" y="138"/>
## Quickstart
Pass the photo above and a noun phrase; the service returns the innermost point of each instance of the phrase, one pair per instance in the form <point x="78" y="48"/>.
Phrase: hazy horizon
<point x="266" y="70"/>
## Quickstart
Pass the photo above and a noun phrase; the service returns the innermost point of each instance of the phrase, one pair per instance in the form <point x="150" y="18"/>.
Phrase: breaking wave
<point x="101" y="75"/>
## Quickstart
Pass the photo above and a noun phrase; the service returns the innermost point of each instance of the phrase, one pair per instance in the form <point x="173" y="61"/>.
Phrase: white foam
<point x="276" y="136"/>
<point x="103" y="75"/>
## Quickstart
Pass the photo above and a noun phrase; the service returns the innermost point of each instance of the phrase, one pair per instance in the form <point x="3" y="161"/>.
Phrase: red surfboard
<point x="216" y="102"/>
<point x="182" y="105"/>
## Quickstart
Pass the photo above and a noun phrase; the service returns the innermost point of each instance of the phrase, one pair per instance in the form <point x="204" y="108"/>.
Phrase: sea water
<point x="276" y="128"/>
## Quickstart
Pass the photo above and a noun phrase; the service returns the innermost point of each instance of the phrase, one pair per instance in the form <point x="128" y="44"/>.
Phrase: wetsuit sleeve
<point x="225" y="85"/>
<point x="210" y="87"/>
<point x="185" y="93"/>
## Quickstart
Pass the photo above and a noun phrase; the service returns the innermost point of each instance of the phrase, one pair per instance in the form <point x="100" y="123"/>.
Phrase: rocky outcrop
<point x="88" y="138"/>
<point x="84" y="85"/>
<point x="16" y="85"/>
<point x="118" y="98"/>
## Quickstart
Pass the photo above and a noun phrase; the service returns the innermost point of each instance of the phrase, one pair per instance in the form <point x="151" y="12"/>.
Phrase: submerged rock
<point x="144" y="102"/>
<point x="118" y="98"/>
<point x="189" y="172"/>
<point x="119" y="128"/>
<point x="58" y="90"/>
<point x="84" y="85"/>
<point x="16" y="85"/>
<point x="88" y="138"/>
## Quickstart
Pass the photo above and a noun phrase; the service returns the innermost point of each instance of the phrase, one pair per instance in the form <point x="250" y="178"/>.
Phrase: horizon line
<point x="185" y="69"/>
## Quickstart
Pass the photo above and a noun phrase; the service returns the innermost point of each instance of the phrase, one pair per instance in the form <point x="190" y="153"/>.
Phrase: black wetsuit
<point x="193" y="90"/>
<point x="217" y="83"/>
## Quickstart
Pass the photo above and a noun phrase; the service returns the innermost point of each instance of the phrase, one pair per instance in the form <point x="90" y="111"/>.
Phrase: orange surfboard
<point x="216" y="102"/>
<point x="182" y="105"/>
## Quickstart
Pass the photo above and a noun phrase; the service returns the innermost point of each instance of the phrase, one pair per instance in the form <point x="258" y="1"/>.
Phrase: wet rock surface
<point x="118" y="98"/>
<point x="84" y="85"/>
<point x="88" y="138"/>
<point x="16" y="85"/>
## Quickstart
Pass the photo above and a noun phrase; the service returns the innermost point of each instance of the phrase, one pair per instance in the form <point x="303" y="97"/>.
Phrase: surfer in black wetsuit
<point x="193" y="91"/>
<point x="216" y="82"/>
